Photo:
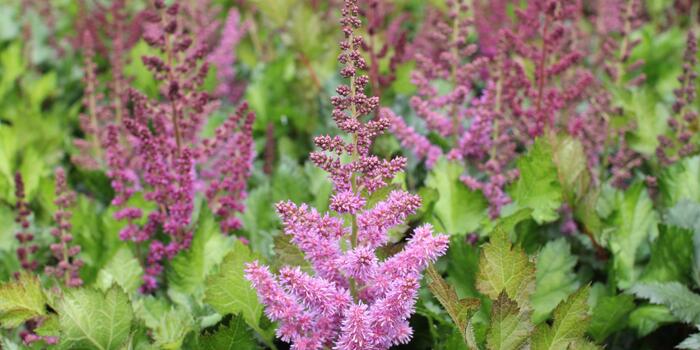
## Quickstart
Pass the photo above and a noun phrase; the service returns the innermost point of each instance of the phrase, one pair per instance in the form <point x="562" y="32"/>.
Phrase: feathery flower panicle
<point x="68" y="264"/>
<point x="543" y="35"/>
<point x="353" y="300"/>
<point x="386" y="39"/>
<point x="224" y="57"/>
<point x="684" y="123"/>
<point x="27" y="248"/>
<point x="490" y="16"/>
<point x="165" y="158"/>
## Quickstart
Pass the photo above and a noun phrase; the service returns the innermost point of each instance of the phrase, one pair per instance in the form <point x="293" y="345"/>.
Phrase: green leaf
<point x="690" y="343"/>
<point x="572" y="168"/>
<point x="458" y="309"/>
<point x="233" y="336"/>
<point x="458" y="210"/>
<point x="633" y="222"/>
<point x="504" y="267"/>
<point x="229" y="292"/>
<point x="169" y="325"/>
<point x="538" y="187"/>
<point x="289" y="254"/>
<point x="681" y="181"/>
<point x="462" y="266"/>
<point x="510" y="328"/>
<point x="555" y="278"/>
<point x="685" y="214"/>
<point x="683" y="303"/>
<point x="92" y="319"/>
<point x="21" y="300"/>
<point x="648" y="318"/>
<point x="671" y="256"/>
<point x="570" y="322"/>
<point x="123" y="269"/>
<point x="189" y="269"/>
<point x="610" y="315"/>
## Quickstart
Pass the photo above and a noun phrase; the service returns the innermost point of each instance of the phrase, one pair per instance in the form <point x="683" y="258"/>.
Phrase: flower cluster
<point x="26" y="248"/>
<point x="486" y="124"/>
<point x="223" y="57"/>
<point x="684" y="124"/>
<point x="353" y="301"/>
<point x="154" y="149"/>
<point x="68" y="265"/>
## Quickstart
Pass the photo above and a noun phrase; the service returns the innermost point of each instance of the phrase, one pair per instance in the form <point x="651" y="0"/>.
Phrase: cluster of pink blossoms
<point x="155" y="148"/>
<point x="353" y="301"/>
<point x="486" y="125"/>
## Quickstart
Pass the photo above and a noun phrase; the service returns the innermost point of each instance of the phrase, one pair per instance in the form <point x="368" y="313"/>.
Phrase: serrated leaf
<point x="458" y="309"/>
<point x="555" y="278"/>
<point x="123" y="269"/>
<point x="683" y="303"/>
<point x="458" y="210"/>
<point x="570" y="322"/>
<point x="686" y="214"/>
<point x="189" y="269"/>
<point x="690" y="343"/>
<point x="681" y="181"/>
<point x="92" y="319"/>
<point x="633" y="222"/>
<point x="671" y="256"/>
<point x="510" y="327"/>
<point x="648" y="318"/>
<point x="538" y="187"/>
<point x="610" y="315"/>
<point x="289" y="254"/>
<point x="505" y="267"/>
<point x="583" y="344"/>
<point x="168" y="325"/>
<point x="233" y="336"/>
<point x="21" y="300"/>
<point x="572" y="167"/>
<point x="228" y="292"/>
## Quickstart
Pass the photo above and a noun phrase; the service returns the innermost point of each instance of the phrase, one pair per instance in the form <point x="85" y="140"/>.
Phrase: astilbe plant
<point x="488" y="125"/>
<point x="223" y="57"/>
<point x="684" y="123"/>
<point x="155" y="148"/>
<point x="27" y="248"/>
<point x="353" y="301"/>
<point x="68" y="264"/>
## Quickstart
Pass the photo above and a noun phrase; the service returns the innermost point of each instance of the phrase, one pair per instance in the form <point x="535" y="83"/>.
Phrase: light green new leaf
<point x="610" y="315"/>
<point x="681" y="181"/>
<point x="682" y="302"/>
<point x="555" y="278"/>
<point x="189" y="269"/>
<point x="458" y="209"/>
<point x="92" y="319"/>
<point x="570" y="322"/>
<point x="510" y="328"/>
<point x="671" y="256"/>
<point x="633" y="222"/>
<point x="228" y="292"/>
<point x="21" y="300"/>
<point x="123" y="269"/>
<point x="504" y="267"/>
<point x="169" y="325"/>
<point x="234" y="336"/>
<point x="538" y="187"/>
<point x="572" y="168"/>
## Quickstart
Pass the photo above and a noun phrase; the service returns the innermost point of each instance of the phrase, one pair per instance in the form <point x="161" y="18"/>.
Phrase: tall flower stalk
<point x="353" y="300"/>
